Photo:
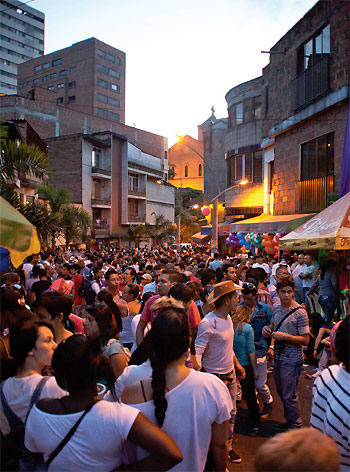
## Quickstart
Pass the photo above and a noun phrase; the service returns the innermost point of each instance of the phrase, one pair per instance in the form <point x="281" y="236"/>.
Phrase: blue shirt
<point x="262" y="315"/>
<point x="243" y="343"/>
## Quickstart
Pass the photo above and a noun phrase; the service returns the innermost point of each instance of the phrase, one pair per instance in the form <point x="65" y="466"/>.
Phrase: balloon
<point x="205" y="211"/>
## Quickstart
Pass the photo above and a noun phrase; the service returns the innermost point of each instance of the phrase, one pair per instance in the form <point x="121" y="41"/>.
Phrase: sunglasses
<point x="249" y="286"/>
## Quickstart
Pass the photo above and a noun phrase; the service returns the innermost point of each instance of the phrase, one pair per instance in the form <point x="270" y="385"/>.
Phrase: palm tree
<point x="160" y="230"/>
<point x="18" y="157"/>
<point x="75" y="223"/>
<point x="57" y="199"/>
<point x="135" y="233"/>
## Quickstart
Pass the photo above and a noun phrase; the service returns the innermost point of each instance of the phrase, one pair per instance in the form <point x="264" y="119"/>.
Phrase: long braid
<point x="158" y="386"/>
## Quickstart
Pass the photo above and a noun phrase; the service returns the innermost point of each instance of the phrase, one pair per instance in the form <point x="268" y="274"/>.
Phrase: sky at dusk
<point x="182" y="56"/>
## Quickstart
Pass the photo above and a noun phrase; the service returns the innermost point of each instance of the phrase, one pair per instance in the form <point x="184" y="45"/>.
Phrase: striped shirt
<point x="296" y="324"/>
<point x="331" y="409"/>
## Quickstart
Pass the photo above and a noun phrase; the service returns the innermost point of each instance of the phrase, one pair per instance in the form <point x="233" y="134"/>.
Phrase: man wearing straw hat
<point x="214" y="346"/>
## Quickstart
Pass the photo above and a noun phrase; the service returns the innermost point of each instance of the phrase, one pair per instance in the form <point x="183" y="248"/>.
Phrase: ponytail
<point x="158" y="386"/>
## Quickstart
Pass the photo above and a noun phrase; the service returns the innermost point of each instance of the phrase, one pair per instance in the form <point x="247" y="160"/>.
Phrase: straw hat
<point x="222" y="289"/>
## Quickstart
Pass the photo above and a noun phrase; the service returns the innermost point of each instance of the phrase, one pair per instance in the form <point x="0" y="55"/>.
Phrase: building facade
<point x="88" y="76"/>
<point x="21" y="39"/>
<point x="306" y="107"/>
<point x="113" y="180"/>
<point x="243" y="151"/>
<point x="212" y="134"/>
<point x="186" y="163"/>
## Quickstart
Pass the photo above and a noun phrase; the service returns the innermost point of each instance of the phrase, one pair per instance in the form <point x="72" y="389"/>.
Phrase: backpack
<point x="86" y="291"/>
<point x="21" y="458"/>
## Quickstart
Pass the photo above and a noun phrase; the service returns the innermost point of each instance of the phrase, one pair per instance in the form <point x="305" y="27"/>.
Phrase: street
<point x="246" y="442"/>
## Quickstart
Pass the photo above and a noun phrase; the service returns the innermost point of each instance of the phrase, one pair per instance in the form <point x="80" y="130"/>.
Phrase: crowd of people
<point x="134" y="359"/>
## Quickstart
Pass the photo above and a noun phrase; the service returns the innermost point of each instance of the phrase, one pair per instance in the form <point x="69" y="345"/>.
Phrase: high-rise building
<point x="21" y="39"/>
<point x="88" y="76"/>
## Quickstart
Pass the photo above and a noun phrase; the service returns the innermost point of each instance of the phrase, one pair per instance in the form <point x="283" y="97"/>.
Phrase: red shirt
<point x="193" y="313"/>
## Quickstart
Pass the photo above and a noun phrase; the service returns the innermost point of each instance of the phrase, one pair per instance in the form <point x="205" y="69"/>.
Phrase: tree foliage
<point x="135" y="233"/>
<point x="161" y="230"/>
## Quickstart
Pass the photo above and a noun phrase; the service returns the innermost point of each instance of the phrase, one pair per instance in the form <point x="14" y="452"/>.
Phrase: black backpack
<point x="86" y="291"/>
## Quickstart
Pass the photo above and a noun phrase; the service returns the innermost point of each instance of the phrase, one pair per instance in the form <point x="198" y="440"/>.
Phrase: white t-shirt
<point x="97" y="444"/>
<point x="264" y="266"/>
<point x="309" y="270"/>
<point x="18" y="392"/>
<point x="214" y="342"/>
<point x="131" y="374"/>
<point x="134" y="323"/>
<point x="200" y="400"/>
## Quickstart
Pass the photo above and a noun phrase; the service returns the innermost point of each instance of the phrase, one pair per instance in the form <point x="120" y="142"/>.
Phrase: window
<point x="59" y="86"/>
<point x="317" y="157"/>
<point x="102" y="98"/>
<point x="56" y="62"/>
<point x="114" y="101"/>
<point x="60" y="100"/>
<point x="118" y="61"/>
<point x="53" y="75"/>
<point x="314" y="49"/>
<point x="102" y="83"/>
<point x="186" y="171"/>
<point x="114" y="73"/>
<point x="72" y="69"/>
<point x="133" y="182"/>
<point x="133" y="207"/>
<point x="71" y="84"/>
<point x="37" y="69"/>
<point x="101" y="112"/>
<point x="102" y="69"/>
<point x="200" y="170"/>
<point x="46" y="65"/>
<point x="35" y="81"/>
<point x="115" y="88"/>
<point x="51" y="87"/>
<point x="110" y="57"/>
<point x="95" y="157"/>
<point x="63" y="73"/>
<point x="239" y="113"/>
<point x="247" y="165"/>
<point x="45" y="78"/>
<point x="113" y="116"/>
<point x="101" y="53"/>
<point x="71" y="99"/>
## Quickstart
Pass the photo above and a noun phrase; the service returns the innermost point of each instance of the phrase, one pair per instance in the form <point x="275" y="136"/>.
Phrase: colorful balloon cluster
<point x="232" y="240"/>
<point x="271" y="244"/>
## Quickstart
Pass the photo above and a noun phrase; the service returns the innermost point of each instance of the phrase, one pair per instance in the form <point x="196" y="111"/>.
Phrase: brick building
<point x="88" y="76"/>
<point x="186" y="160"/>
<point x="243" y="151"/>
<point x="306" y="107"/>
<point x="21" y="39"/>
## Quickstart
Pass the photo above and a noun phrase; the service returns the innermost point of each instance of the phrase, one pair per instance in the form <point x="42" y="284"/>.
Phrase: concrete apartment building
<point x="243" y="151"/>
<point x="307" y="100"/>
<point x="88" y="76"/>
<point x="21" y="39"/>
<point x="186" y="160"/>
<point x="113" y="180"/>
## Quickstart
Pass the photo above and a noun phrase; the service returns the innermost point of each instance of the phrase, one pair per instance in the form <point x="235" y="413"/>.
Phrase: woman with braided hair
<point x="192" y="407"/>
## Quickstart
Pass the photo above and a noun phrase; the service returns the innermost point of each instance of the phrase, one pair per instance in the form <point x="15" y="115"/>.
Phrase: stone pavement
<point x="246" y="442"/>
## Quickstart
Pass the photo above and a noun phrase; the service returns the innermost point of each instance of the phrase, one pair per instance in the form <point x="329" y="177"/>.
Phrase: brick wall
<point x="282" y="69"/>
<point x="49" y="119"/>
<point x="287" y="149"/>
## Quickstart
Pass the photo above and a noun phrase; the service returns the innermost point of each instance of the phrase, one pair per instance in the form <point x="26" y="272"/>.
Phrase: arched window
<point x="186" y="171"/>
<point x="200" y="170"/>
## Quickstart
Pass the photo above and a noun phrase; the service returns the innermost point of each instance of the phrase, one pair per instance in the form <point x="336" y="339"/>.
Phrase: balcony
<point x="311" y="195"/>
<point x="100" y="172"/>
<point x="311" y="84"/>
<point x="140" y="192"/>
<point x="133" y="218"/>
<point x="101" y="202"/>
<point x="100" y="231"/>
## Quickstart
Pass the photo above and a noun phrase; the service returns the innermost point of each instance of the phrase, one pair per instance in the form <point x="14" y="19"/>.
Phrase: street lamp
<point x="214" y="219"/>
